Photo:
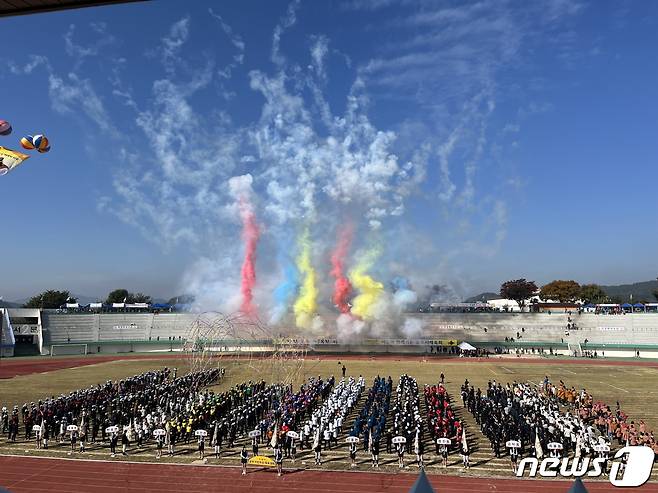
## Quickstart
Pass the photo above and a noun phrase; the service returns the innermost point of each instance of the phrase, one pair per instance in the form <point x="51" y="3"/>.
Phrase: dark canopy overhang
<point x="23" y="7"/>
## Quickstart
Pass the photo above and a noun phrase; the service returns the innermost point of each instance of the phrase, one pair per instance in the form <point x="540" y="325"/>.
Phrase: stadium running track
<point x="12" y="367"/>
<point x="31" y="474"/>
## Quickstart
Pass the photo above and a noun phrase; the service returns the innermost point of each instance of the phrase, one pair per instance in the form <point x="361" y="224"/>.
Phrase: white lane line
<point x="569" y="371"/>
<point x="508" y="370"/>
<point x="636" y="373"/>
<point x="492" y="370"/>
<point x="623" y="390"/>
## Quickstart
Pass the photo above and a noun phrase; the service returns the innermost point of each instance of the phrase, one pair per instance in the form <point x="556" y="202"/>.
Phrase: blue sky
<point x="474" y="142"/>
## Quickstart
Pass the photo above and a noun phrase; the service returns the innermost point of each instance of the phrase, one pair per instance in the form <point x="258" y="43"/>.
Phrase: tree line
<point x="521" y="290"/>
<point x="53" y="298"/>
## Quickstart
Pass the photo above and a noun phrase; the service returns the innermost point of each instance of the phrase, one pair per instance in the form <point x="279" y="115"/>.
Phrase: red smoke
<point x="342" y="285"/>
<point x="250" y="235"/>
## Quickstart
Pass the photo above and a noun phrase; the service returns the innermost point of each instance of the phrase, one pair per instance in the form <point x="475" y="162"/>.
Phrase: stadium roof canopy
<point x="22" y="7"/>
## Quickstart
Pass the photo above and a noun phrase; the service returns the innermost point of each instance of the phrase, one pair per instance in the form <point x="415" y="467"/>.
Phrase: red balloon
<point x="5" y="127"/>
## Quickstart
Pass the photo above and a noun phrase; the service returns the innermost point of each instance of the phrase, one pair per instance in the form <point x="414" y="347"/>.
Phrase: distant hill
<point x="641" y="291"/>
<point x="9" y="304"/>
<point x="84" y="300"/>
<point x="483" y="297"/>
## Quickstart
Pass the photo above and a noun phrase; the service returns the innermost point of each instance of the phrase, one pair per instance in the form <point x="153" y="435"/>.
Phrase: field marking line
<point x="637" y="372"/>
<point x="508" y="370"/>
<point x="491" y="370"/>
<point x="623" y="390"/>
<point x="569" y="371"/>
<point x="111" y="461"/>
<point x="385" y="474"/>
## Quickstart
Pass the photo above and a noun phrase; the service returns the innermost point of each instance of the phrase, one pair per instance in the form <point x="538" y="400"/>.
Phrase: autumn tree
<point x="518" y="290"/>
<point x="563" y="291"/>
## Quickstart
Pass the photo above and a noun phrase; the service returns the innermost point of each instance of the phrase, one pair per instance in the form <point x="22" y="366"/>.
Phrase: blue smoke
<point x="287" y="288"/>
<point x="399" y="283"/>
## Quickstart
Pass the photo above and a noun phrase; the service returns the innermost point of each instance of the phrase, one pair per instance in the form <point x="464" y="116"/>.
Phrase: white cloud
<point x="172" y="44"/>
<point x="355" y="164"/>
<point x="286" y="22"/>
<point x="319" y="51"/>
<point x="186" y="163"/>
<point x="74" y="95"/>
<point x="235" y="39"/>
<point x="80" y="52"/>
<point x="34" y="62"/>
<point x="238" y="59"/>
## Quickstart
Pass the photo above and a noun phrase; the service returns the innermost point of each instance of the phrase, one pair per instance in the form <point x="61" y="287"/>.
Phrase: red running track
<point x="32" y="475"/>
<point x="11" y="367"/>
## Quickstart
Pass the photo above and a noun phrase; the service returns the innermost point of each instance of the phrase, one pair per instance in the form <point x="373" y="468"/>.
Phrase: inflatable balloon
<point x="5" y="127"/>
<point x="38" y="142"/>
<point x="10" y="159"/>
<point x="26" y="143"/>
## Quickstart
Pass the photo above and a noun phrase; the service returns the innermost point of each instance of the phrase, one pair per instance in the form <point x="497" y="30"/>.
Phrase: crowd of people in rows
<point x="442" y="422"/>
<point x="407" y="420"/>
<point x="291" y="408"/>
<point x="539" y="420"/>
<point x="132" y="404"/>
<point x="371" y="422"/>
<point x="613" y="424"/>
<point x="326" y="423"/>
<point x="163" y="409"/>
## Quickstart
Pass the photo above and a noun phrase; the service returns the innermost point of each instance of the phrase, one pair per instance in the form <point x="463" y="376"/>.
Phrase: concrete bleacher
<point x="115" y="328"/>
<point x="124" y="326"/>
<point x="623" y="332"/>
<point x="59" y="329"/>
<point x="638" y="328"/>
<point x="174" y="325"/>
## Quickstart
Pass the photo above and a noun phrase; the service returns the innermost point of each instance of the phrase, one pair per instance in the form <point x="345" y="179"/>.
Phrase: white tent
<point x="465" y="346"/>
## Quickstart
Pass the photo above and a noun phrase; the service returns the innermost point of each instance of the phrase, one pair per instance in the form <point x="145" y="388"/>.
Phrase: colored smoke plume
<point x="287" y="288"/>
<point x="342" y="285"/>
<point x="370" y="290"/>
<point x="306" y="304"/>
<point x="250" y="235"/>
<point x="240" y="189"/>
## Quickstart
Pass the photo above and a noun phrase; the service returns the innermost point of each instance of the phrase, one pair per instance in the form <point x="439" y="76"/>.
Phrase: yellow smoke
<point x="369" y="290"/>
<point x="306" y="304"/>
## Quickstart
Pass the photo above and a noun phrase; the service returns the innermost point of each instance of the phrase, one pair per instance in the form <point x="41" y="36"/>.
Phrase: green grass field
<point x="635" y="387"/>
